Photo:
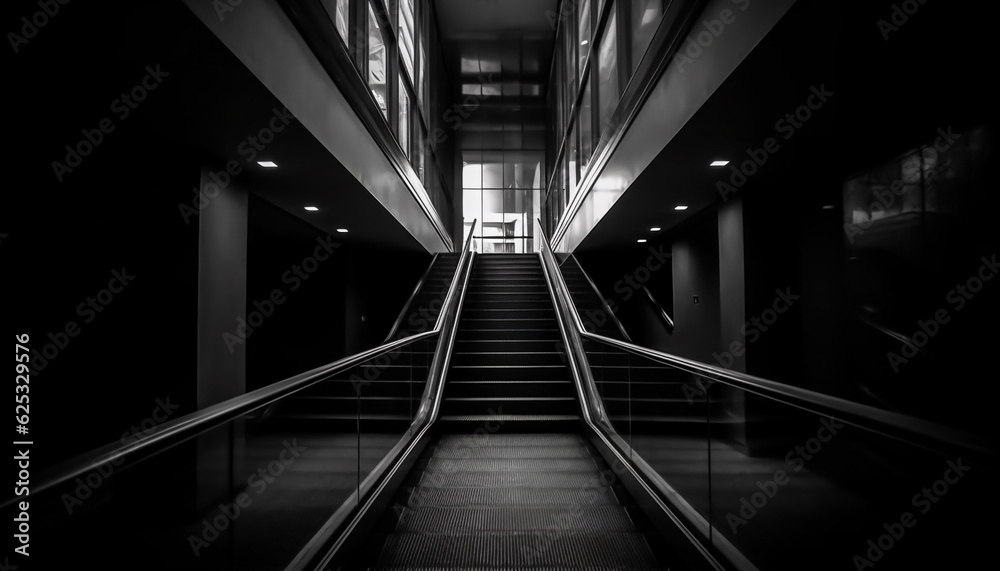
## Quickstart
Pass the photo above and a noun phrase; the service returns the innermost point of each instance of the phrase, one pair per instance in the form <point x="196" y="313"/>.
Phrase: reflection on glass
<point x="572" y="163"/>
<point x="406" y="52"/>
<point x="569" y="53"/>
<point x="338" y="11"/>
<point x="607" y="79"/>
<point x="376" y="63"/>
<point x="584" y="33"/>
<point x="403" y="135"/>
<point x="422" y="80"/>
<point x="585" y="122"/>
<point x="645" y="16"/>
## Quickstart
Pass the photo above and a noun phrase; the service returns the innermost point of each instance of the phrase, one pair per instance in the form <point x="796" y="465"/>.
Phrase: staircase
<point x="508" y="366"/>
<point x="510" y="482"/>
<point x="505" y="501"/>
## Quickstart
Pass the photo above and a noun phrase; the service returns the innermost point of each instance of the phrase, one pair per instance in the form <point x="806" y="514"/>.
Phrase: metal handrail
<point x="174" y="432"/>
<point x="663" y="312"/>
<point x="604" y="302"/>
<point x="323" y="545"/>
<point x="191" y="425"/>
<point x="896" y="425"/>
<point x="409" y="301"/>
<point x="594" y="415"/>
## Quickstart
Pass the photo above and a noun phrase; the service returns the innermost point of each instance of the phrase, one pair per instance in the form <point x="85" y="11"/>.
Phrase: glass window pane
<point x="492" y="170"/>
<point x="339" y="11"/>
<point x="584" y="32"/>
<point x="376" y="63"/>
<point x="585" y="121"/>
<point x="646" y="16"/>
<point x="569" y="44"/>
<point x="406" y="52"/>
<point x="419" y="150"/>
<point x="607" y="66"/>
<point x="571" y="161"/>
<point x="403" y="133"/>
<point x="422" y="78"/>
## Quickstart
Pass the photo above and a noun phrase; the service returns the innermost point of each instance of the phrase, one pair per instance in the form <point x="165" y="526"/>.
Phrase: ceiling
<point x="489" y="19"/>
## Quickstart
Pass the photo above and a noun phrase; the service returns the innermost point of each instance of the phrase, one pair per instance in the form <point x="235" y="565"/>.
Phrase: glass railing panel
<point x="390" y="390"/>
<point x="610" y="370"/>
<point x="247" y="494"/>
<point x="661" y="413"/>
<point x="792" y="489"/>
<point x="669" y="418"/>
<point x="244" y="495"/>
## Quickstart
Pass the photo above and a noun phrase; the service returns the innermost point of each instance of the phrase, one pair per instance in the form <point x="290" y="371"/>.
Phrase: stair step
<point x="466" y="520"/>
<point x="508" y="550"/>
<point x="508" y="496"/>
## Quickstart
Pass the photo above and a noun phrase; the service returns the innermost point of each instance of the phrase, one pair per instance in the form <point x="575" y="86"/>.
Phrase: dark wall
<point x="345" y="304"/>
<point x="116" y="211"/>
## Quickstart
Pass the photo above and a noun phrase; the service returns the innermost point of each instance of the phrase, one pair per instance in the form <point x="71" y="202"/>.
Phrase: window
<point x="585" y="34"/>
<point x="406" y="52"/>
<point x="607" y="67"/>
<point x="339" y="11"/>
<point x="403" y="134"/>
<point x="571" y="161"/>
<point x="645" y="18"/>
<point x="569" y="47"/>
<point x="422" y="82"/>
<point x="584" y="120"/>
<point x="377" y="62"/>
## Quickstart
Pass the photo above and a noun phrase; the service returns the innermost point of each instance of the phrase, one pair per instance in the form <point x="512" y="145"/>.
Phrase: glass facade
<point x="501" y="190"/>
<point x="396" y="51"/>
<point x="581" y="111"/>
<point x="377" y="62"/>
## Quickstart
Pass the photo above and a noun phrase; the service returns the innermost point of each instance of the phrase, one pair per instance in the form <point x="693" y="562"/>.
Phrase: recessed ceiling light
<point x="268" y="164"/>
<point x="312" y="208"/>
<point x="681" y="207"/>
<point x="828" y="207"/>
<point x="641" y="240"/>
<point x="655" y="229"/>
<point x="719" y="163"/>
<point x="342" y="230"/>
